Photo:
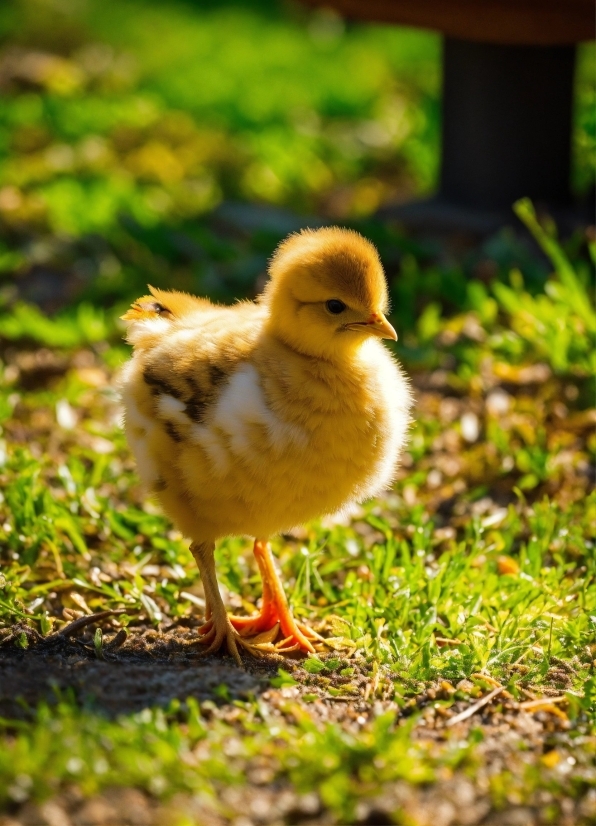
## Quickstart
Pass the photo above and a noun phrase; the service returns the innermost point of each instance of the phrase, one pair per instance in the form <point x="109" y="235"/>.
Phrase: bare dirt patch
<point x="147" y="670"/>
<point x="511" y="740"/>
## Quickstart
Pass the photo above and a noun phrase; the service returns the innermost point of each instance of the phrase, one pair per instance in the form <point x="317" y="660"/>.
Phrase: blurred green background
<point x="124" y="124"/>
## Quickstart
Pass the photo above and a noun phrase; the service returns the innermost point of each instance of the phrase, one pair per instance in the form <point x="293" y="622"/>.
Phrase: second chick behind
<point x="254" y="418"/>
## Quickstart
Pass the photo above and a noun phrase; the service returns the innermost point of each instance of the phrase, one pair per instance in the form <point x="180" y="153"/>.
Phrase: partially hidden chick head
<point x="327" y="292"/>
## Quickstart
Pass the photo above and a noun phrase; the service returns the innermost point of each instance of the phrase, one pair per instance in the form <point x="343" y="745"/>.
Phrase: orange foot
<point x="262" y="630"/>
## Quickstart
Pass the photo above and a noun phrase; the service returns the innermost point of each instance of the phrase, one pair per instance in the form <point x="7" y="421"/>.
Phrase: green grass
<point x="387" y="596"/>
<point x="207" y="753"/>
<point x="239" y="101"/>
<point x="478" y="568"/>
<point x="466" y="576"/>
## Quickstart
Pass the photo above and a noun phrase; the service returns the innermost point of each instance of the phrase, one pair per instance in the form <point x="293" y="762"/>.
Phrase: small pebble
<point x="470" y="427"/>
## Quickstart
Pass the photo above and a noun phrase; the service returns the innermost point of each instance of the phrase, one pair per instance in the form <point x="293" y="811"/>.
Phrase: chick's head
<point x="327" y="292"/>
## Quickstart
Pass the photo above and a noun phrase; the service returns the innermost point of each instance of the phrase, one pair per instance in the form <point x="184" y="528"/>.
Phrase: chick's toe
<point x="275" y="613"/>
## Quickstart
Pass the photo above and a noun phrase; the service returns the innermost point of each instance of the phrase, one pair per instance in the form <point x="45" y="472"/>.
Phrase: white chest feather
<point x="241" y="424"/>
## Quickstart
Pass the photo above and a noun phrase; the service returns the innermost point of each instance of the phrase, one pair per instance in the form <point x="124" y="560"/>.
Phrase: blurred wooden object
<point x="507" y="113"/>
<point x="508" y="71"/>
<point x="530" y="22"/>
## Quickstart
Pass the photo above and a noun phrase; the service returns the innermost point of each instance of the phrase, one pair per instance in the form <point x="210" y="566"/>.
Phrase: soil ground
<point x="152" y="669"/>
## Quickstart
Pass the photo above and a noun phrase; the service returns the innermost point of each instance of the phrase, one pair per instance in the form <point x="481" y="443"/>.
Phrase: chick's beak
<point x="377" y="325"/>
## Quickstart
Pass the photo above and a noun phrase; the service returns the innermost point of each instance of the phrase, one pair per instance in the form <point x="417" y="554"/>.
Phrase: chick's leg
<point x="275" y="608"/>
<point x="218" y="628"/>
<point x="217" y="617"/>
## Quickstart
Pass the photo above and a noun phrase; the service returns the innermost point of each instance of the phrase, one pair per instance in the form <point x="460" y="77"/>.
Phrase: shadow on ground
<point x="147" y="669"/>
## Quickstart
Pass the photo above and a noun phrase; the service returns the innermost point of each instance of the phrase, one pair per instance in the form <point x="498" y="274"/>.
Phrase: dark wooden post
<point x="507" y="103"/>
<point x="506" y="124"/>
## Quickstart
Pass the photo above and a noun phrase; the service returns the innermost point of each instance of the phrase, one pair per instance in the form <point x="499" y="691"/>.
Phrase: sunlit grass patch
<point x="206" y="753"/>
<point x="474" y="575"/>
<point x="473" y="578"/>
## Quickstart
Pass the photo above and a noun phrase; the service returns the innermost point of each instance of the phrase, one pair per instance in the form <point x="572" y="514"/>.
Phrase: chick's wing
<point x="185" y="350"/>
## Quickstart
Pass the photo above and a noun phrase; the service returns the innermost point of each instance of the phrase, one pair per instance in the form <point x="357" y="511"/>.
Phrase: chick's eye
<point x="335" y="306"/>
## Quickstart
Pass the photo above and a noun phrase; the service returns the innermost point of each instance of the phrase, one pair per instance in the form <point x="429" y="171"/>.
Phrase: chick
<point x="254" y="418"/>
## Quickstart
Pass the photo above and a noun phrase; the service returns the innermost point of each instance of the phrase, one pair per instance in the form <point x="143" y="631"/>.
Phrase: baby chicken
<point x="254" y="418"/>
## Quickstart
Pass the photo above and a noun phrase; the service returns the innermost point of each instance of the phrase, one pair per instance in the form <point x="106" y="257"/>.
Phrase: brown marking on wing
<point x="198" y="401"/>
<point x="158" y="384"/>
<point x="205" y="392"/>
<point x="194" y="382"/>
<point x="172" y="432"/>
<point x="216" y="375"/>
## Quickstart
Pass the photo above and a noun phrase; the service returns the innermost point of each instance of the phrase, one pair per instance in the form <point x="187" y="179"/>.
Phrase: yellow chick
<point x="254" y="418"/>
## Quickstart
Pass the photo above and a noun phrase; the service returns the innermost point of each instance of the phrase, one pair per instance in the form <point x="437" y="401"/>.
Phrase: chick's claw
<point x="258" y="634"/>
<point x="275" y="611"/>
<point x="296" y="636"/>
<point x="245" y="632"/>
<point x="221" y="633"/>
